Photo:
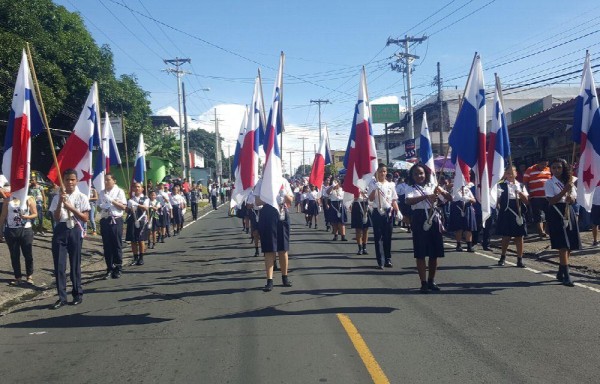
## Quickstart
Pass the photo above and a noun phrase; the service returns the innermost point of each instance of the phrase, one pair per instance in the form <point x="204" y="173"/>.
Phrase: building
<point x="519" y="104"/>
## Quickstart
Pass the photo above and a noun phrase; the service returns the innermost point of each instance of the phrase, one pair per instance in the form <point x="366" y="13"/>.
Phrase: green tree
<point x="67" y="61"/>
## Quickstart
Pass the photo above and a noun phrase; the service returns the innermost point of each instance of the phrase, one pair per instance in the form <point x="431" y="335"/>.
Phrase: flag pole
<point x="39" y="94"/>
<point x="510" y="160"/>
<point x="126" y="152"/>
<point x="280" y="112"/>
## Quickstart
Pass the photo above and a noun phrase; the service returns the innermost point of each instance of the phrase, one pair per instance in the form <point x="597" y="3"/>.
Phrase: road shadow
<point x="272" y="311"/>
<point x="78" y="320"/>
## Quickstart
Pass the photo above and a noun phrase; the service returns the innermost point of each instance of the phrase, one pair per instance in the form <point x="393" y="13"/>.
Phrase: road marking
<point x="201" y="217"/>
<point x="363" y="350"/>
<point x="530" y="269"/>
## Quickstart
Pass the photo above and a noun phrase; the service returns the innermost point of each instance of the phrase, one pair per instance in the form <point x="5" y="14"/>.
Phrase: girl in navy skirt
<point x="304" y="203"/>
<point x="401" y="189"/>
<point x="462" y="216"/>
<point x="137" y="230"/>
<point x="254" y="215"/>
<point x="360" y="220"/>
<point x="595" y="215"/>
<point x="178" y="204"/>
<point x="511" y="219"/>
<point x="154" y="208"/>
<point x="426" y="224"/>
<point x="562" y="222"/>
<point x="338" y="211"/>
<point x="325" y="203"/>
<point x="312" y="206"/>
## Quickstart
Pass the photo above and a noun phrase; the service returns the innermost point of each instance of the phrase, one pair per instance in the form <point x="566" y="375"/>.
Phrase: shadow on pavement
<point x="78" y="320"/>
<point x="271" y="311"/>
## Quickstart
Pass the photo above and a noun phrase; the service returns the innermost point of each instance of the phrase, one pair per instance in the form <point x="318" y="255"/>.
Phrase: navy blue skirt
<point x="460" y="222"/>
<point x="596" y="214"/>
<point x="274" y="233"/>
<point x="338" y="214"/>
<point x="428" y="243"/>
<point x="561" y="237"/>
<point x="357" y="215"/>
<point x="506" y="225"/>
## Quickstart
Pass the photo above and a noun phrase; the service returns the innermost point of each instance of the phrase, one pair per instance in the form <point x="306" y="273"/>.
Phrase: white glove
<point x="280" y="199"/>
<point x="379" y="184"/>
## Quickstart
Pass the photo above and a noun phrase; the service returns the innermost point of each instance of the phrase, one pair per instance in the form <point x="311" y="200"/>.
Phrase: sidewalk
<point x="92" y="266"/>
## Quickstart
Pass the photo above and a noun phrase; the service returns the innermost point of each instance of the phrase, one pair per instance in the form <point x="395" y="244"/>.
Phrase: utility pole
<point x="291" y="168"/>
<point x="404" y="61"/>
<point x="186" y="164"/>
<point x="177" y="62"/>
<point x="303" y="164"/>
<point x="439" y="84"/>
<point x="218" y="164"/>
<point x="229" y="157"/>
<point x="319" y="102"/>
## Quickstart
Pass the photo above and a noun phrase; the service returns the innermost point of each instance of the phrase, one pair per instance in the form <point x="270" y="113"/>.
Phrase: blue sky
<point x="326" y="43"/>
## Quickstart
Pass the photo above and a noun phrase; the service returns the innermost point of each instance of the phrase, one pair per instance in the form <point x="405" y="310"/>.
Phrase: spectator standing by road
<point x="595" y="215"/>
<point x="535" y="178"/>
<point x="37" y="192"/>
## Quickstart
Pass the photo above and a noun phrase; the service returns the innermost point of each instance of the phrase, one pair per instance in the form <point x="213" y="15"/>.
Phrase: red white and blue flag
<point x="586" y="132"/>
<point x="426" y="150"/>
<point x="360" y="160"/>
<point x="139" y="170"/>
<point x="272" y="179"/>
<point x="77" y="151"/>
<point x="468" y="140"/>
<point x="249" y="142"/>
<point x="322" y="158"/>
<point x="107" y="156"/>
<point x="498" y="150"/>
<point x="24" y="122"/>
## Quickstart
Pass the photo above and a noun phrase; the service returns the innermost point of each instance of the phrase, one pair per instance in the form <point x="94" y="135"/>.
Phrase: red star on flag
<point x="588" y="176"/>
<point x="86" y="176"/>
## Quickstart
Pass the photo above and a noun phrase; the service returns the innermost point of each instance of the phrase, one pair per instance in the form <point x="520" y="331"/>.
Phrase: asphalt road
<point x="196" y="313"/>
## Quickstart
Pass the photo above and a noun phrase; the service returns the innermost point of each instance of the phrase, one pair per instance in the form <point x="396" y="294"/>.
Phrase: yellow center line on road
<point x="363" y="350"/>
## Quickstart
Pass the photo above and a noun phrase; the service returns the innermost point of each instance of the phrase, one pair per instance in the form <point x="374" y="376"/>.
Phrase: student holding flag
<point x="112" y="204"/>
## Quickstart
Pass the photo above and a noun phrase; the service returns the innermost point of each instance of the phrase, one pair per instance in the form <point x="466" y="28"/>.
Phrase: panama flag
<point x="360" y="160"/>
<point x="237" y="166"/>
<point x="139" y="169"/>
<point x="322" y="158"/>
<point x="272" y="179"/>
<point x="107" y="156"/>
<point x="586" y="132"/>
<point x="24" y="122"/>
<point x="426" y="151"/>
<point x="498" y="150"/>
<point x="77" y="151"/>
<point x="467" y="139"/>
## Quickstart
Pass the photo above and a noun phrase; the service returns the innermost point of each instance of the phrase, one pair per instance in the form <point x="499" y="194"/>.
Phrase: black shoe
<point x="58" y="304"/>
<point x="459" y="248"/>
<point x="269" y="286"/>
<point x="286" y="282"/>
<point x="388" y="264"/>
<point x="486" y="248"/>
<point x="107" y="275"/>
<point x="501" y="261"/>
<point x="520" y="262"/>
<point x="315" y="226"/>
<point x="567" y="278"/>
<point x="327" y="228"/>
<point x="380" y="267"/>
<point x="424" y="287"/>
<point x="256" y="254"/>
<point x="334" y="238"/>
<point x="344" y="238"/>
<point x="116" y="274"/>
<point x="140" y="260"/>
<point x="470" y="248"/>
<point x="360" y="252"/>
<point x="134" y="261"/>
<point x="77" y="300"/>
<point x="309" y="225"/>
<point x="561" y="273"/>
<point x="365" y="251"/>
<point x="433" y="286"/>
<point x="247" y="231"/>
<point x="162" y="240"/>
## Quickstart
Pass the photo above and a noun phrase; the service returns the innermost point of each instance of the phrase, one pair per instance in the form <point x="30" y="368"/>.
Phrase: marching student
<point x="70" y="209"/>
<point x="384" y="199"/>
<point x="595" y="215"/>
<point x="462" y="216"/>
<point x="18" y="233"/>
<point x="274" y="230"/>
<point x="401" y="188"/>
<point x="112" y="204"/>
<point x="338" y="215"/>
<point x="304" y="203"/>
<point x="137" y="230"/>
<point x="360" y="220"/>
<point x="154" y="208"/>
<point x="426" y="222"/>
<point x="312" y="211"/>
<point x="177" y="201"/>
<point x="511" y="219"/>
<point x="194" y="197"/>
<point x="254" y="215"/>
<point x="562" y="223"/>
<point x="164" y="198"/>
<point x="326" y="204"/>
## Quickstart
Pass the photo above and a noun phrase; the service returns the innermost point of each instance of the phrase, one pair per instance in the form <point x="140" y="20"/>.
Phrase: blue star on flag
<point x="590" y="96"/>
<point x="92" y="113"/>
